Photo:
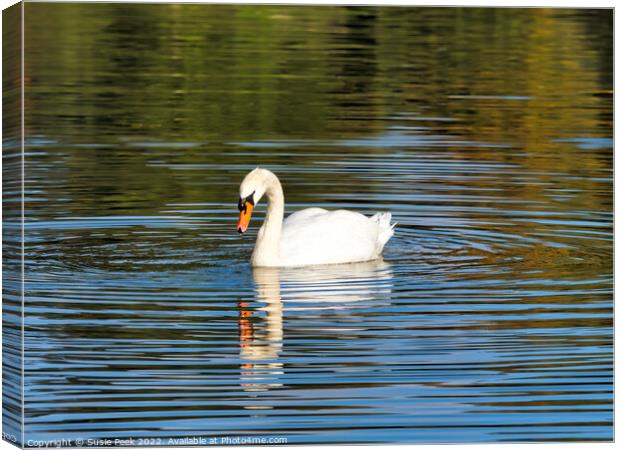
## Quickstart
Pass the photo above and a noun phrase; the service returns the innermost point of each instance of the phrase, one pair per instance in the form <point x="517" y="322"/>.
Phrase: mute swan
<point x="312" y="236"/>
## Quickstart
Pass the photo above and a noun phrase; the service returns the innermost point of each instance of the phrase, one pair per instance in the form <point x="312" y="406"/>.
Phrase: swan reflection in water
<point x="318" y="288"/>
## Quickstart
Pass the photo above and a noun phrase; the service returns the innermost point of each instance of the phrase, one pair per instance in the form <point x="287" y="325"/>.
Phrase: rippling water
<point x="487" y="134"/>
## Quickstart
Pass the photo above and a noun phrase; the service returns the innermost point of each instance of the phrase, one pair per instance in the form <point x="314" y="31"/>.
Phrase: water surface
<point x="487" y="134"/>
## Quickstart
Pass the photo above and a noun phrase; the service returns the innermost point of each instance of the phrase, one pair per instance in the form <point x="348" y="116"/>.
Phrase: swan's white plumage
<point x="303" y="215"/>
<point x="312" y="236"/>
<point x="330" y="237"/>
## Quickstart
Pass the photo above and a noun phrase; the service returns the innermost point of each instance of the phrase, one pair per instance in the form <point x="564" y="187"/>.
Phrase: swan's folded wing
<point x="329" y="238"/>
<point x="304" y="214"/>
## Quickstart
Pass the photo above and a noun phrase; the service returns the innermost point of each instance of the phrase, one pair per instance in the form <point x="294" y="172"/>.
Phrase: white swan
<point x="311" y="236"/>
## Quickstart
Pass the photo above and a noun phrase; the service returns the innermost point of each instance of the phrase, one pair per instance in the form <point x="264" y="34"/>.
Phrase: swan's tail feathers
<point x="386" y="228"/>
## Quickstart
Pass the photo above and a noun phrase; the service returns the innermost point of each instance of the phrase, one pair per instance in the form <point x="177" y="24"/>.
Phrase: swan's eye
<point x="242" y="201"/>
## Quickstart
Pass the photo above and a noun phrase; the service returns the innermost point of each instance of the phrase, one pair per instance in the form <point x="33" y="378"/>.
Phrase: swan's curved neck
<point x="267" y="249"/>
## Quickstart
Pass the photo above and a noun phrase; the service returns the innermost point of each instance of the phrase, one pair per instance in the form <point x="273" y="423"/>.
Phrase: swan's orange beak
<point x="244" y="217"/>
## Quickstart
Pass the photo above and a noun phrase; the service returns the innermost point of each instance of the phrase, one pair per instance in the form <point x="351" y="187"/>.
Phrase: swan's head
<point x="252" y="189"/>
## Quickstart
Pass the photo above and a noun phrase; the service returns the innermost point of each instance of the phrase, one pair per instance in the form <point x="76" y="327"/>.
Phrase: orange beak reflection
<point x="244" y="217"/>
